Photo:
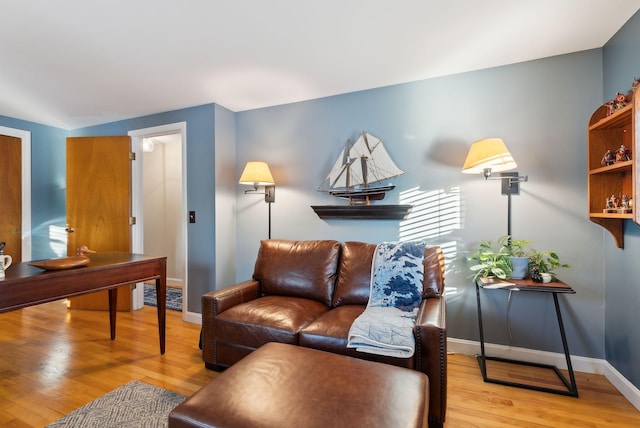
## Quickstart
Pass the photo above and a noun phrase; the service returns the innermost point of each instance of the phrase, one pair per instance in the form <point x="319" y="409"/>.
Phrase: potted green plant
<point x="518" y="257"/>
<point x="508" y="258"/>
<point x="545" y="262"/>
<point x="490" y="262"/>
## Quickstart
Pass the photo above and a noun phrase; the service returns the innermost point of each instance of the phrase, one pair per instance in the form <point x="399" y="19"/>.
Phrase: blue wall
<point x="540" y="109"/>
<point x="622" y="288"/>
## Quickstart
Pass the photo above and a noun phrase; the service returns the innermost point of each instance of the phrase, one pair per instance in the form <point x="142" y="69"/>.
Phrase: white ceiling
<point x="74" y="63"/>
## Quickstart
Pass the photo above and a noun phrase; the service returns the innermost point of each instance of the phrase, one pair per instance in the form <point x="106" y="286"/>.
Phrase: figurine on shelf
<point x="608" y="158"/>
<point x="620" y="101"/>
<point x="625" y="202"/>
<point x="623" y="154"/>
<point x="610" y="107"/>
<point x="612" y="202"/>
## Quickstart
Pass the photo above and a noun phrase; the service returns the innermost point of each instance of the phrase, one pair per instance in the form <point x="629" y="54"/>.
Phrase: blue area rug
<point x="174" y="297"/>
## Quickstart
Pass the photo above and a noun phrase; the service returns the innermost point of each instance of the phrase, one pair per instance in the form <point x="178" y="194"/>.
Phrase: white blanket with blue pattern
<point x="386" y="325"/>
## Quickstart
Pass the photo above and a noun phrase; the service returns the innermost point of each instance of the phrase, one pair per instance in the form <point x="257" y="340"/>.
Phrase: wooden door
<point x="11" y="196"/>
<point x="99" y="205"/>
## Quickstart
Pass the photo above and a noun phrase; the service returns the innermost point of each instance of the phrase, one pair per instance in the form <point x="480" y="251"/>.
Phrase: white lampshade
<point x="257" y="174"/>
<point x="490" y="153"/>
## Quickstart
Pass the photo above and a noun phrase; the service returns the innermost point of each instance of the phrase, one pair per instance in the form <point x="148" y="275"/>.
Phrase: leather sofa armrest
<point x="216" y="302"/>
<point x="431" y="347"/>
<point x="219" y="301"/>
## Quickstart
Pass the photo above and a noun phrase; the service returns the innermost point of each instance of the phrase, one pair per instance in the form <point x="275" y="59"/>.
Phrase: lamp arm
<point x="269" y="192"/>
<point x="511" y="179"/>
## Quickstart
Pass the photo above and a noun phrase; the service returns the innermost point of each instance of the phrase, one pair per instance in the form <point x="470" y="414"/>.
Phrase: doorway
<point x="159" y="201"/>
<point x="24" y="230"/>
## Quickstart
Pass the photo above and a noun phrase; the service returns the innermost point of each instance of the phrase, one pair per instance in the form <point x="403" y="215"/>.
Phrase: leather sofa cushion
<point x="354" y="276"/>
<point x="298" y="268"/>
<point x="330" y="333"/>
<point x="267" y="319"/>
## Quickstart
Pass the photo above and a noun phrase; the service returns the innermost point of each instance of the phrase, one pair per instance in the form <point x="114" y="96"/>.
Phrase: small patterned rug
<point x="134" y="405"/>
<point x="174" y="297"/>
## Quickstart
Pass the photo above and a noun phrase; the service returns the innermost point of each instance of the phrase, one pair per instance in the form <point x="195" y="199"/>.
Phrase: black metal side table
<point x="555" y="288"/>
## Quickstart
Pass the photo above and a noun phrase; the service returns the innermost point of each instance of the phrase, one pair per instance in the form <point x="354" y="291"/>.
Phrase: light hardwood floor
<point x="53" y="361"/>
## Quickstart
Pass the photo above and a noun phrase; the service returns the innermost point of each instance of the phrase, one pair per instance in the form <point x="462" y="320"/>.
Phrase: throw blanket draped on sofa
<point x="386" y="325"/>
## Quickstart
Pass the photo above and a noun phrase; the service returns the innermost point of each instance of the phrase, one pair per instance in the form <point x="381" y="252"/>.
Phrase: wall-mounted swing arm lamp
<point x="258" y="174"/>
<point x="491" y="155"/>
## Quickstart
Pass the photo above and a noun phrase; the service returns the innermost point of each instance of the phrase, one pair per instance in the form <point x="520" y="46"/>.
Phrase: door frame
<point x="137" y="237"/>
<point x="25" y="137"/>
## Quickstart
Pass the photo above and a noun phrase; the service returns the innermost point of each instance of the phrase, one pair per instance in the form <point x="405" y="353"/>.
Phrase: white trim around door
<point x="25" y="136"/>
<point x="137" y="136"/>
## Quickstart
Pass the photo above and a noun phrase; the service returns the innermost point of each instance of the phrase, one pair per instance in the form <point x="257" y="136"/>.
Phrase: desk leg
<point x="161" y="295"/>
<point x="113" y="310"/>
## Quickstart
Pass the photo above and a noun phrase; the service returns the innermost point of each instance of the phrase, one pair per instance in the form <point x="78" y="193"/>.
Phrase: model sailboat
<point x="362" y="174"/>
<point x="362" y="171"/>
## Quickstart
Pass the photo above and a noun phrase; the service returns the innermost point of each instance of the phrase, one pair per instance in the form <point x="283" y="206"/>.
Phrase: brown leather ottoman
<point x="281" y="385"/>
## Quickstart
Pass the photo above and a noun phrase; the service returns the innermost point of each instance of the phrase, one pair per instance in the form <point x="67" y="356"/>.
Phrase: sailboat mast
<point x="365" y="177"/>
<point x="347" y="161"/>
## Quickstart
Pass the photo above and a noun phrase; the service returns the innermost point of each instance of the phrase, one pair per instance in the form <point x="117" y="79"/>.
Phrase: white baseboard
<point x="192" y="317"/>
<point x="621" y="383"/>
<point x="580" y="364"/>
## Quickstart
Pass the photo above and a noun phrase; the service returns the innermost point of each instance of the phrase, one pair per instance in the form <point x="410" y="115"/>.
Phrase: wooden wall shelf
<point x="362" y="212"/>
<point x="609" y="133"/>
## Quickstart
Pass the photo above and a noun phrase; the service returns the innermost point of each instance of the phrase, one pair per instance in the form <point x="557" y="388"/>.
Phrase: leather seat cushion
<point x="330" y="333"/>
<point x="267" y="319"/>
<point x="281" y="385"/>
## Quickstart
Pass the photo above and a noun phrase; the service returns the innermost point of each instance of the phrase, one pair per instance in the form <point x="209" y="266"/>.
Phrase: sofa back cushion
<point x="298" y="268"/>
<point x="354" y="275"/>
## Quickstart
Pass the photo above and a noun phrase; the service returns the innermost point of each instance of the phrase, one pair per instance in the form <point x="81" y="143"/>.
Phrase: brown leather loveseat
<point x="308" y="293"/>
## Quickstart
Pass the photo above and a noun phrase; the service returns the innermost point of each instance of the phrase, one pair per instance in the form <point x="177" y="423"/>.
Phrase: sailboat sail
<point x="361" y="169"/>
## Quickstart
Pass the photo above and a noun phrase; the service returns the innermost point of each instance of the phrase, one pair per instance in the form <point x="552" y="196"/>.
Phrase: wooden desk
<point x="555" y="287"/>
<point x="25" y="285"/>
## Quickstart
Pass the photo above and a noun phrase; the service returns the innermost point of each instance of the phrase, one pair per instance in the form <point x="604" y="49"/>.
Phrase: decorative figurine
<point x="625" y="201"/>
<point x="618" y="205"/>
<point x="623" y="154"/>
<point x="608" y="158"/>
<point x="535" y="274"/>
<point x="610" y="107"/>
<point x="620" y="101"/>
